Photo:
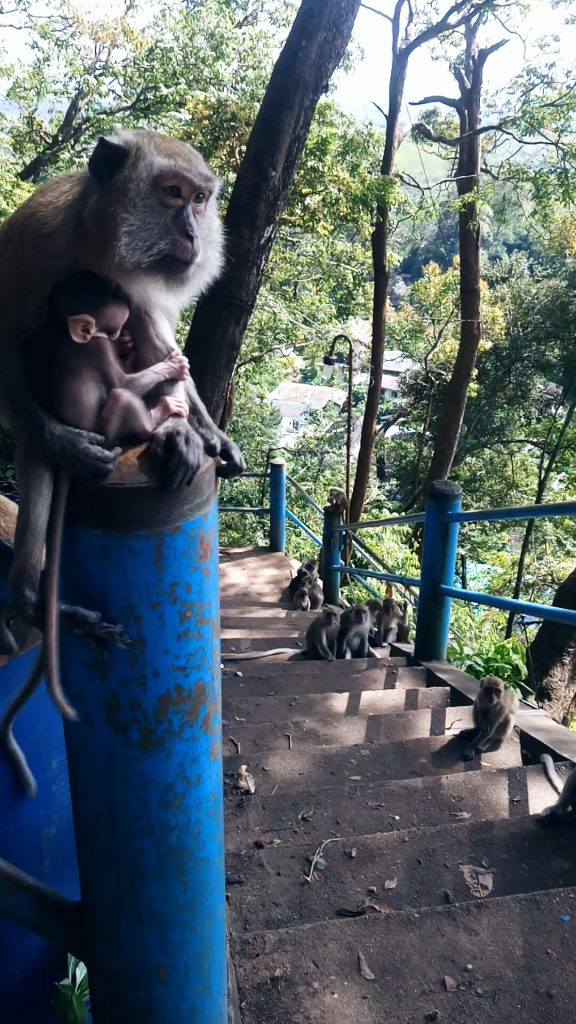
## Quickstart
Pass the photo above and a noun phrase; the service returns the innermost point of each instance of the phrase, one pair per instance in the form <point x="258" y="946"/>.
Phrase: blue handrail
<point x="441" y="523"/>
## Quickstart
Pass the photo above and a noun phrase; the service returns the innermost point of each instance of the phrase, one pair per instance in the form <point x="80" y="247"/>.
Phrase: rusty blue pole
<point x="331" y="547"/>
<point x="277" y="505"/>
<point x="438" y="567"/>
<point x="145" y="759"/>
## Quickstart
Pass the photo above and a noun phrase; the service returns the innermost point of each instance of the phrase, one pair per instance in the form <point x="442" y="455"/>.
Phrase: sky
<point x="367" y="82"/>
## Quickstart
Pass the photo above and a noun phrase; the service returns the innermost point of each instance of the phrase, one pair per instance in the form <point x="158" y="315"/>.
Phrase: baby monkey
<point x="494" y="710"/>
<point x="90" y="389"/>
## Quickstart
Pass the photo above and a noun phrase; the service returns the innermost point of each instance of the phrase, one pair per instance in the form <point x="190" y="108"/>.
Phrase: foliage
<point x="71" y="1003"/>
<point x="476" y="646"/>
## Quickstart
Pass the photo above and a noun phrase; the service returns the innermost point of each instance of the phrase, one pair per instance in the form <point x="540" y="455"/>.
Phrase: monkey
<point x="143" y="213"/>
<point x="393" y="622"/>
<point x="564" y="811"/>
<point x="91" y="391"/>
<point x="338" y="500"/>
<point x="353" y="633"/>
<point x="373" y="606"/>
<point x="309" y="597"/>
<point x="493" y="712"/>
<point x="322" y="635"/>
<point x="306" y="573"/>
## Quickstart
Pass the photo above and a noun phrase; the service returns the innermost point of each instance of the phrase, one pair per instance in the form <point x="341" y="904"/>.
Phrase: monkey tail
<point x="551" y="773"/>
<point x="52" y="621"/>
<point x="13" y="750"/>
<point x="254" y="655"/>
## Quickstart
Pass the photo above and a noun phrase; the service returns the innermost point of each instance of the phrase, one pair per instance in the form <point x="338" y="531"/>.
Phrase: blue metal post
<point x="438" y="567"/>
<point x="145" y="759"/>
<point x="277" y="505"/>
<point x="331" y="547"/>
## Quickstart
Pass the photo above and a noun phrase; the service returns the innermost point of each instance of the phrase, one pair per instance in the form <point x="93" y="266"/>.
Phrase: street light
<point x="329" y="361"/>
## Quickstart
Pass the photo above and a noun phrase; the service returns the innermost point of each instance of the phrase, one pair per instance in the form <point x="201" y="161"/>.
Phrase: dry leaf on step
<point x="244" y="780"/>
<point x="478" y="880"/>
<point x="390" y="883"/>
<point x="363" y="967"/>
<point x="449" y="983"/>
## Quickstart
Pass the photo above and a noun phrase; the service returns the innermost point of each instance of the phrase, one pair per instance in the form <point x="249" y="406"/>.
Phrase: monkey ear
<point x="107" y="159"/>
<point x="81" y="328"/>
<point x="389" y="590"/>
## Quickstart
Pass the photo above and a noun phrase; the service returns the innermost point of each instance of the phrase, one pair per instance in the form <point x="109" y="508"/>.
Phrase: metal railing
<point x="441" y="521"/>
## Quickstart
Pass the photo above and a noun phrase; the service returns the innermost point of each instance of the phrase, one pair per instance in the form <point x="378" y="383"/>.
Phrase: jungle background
<point x="373" y="238"/>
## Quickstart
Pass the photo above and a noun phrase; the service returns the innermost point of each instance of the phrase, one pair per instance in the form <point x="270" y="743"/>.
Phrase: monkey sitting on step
<point x="322" y="635"/>
<point x="392" y="622"/>
<point x="494" y="711"/>
<point x="354" y="632"/>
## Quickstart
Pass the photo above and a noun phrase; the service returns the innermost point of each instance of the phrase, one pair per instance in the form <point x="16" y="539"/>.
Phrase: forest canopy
<point x="198" y="69"/>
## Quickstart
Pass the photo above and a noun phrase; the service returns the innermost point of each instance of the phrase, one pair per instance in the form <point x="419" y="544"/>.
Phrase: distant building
<point x="394" y="365"/>
<point x="294" y="402"/>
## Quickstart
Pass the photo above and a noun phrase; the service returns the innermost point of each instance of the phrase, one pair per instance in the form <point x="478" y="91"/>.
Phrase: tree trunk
<point x="551" y="660"/>
<point x="468" y="179"/>
<point x="313" y="49"/>
<point x="380" y="238"/>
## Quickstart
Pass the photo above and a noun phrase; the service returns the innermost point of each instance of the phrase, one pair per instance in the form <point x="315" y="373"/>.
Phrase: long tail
<point x="254" y="655"/>
<point x="52" y="620"/>
<point x="551" y="773"/>
<point x="13" y="750"/>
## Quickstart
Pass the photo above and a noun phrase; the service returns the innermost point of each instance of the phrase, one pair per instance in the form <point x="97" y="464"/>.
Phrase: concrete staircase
<point x="433" y="896"/>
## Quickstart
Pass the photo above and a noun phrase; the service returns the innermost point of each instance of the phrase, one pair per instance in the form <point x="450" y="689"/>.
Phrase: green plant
<point x="476" y="646"/>
<point x="72" y="1000"/>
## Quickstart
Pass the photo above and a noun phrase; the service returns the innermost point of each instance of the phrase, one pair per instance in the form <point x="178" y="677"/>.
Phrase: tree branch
<point x="374" y="10"/>
<point x="447" y="100"/>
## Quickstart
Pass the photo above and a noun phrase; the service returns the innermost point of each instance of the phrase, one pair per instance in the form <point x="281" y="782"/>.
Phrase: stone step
<point x="344" y="731"/>
<point x="294" y="641"/>
<point x="363" y="808"/>
<point x="279" y="667"/>
<point x="336" y="678"/>
<point x="431" y="755"/>
<point x="487" y="962"/>
<point x="407" y="870"/>
<point x="279" y="708"/>
<point x="268" y="618"/>
<point x="242" y="629"/>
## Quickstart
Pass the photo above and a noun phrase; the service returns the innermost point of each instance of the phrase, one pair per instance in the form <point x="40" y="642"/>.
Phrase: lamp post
<point x="331" y="359"/>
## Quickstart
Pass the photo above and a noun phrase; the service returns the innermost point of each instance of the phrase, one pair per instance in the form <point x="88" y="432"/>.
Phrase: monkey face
<point x="157" y="198"/>
<point x="330" y="616"/>
<point x="492" y="690"/>
<point x="361" y="615"/>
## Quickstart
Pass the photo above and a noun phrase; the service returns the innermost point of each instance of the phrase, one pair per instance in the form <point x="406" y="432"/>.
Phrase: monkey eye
<point x="199" y="198"/>
<point x="173" y="191"/>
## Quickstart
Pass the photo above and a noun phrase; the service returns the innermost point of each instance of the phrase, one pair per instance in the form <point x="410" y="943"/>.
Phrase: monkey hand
<point x="178" y="452"/>
<point x="233" y="460"/>
<point x="80" y="452"/>
<point x="176" y="365"/>
<point x="469" y="754"/>
<point x="84" y="623"/>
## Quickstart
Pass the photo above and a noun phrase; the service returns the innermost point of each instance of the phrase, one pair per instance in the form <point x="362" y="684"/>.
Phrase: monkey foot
<point x="87" y="624"/>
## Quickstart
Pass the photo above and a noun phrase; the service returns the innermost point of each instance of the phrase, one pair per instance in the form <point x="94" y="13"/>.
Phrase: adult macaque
<point x="338" y="500"/>
<point x="321" y="638"/>
<point x="353" y="635"/>
<point x="564" y="811"/>
<point x="493" y="713"/>
<point x="392" y="623"/>
<point x="322" y="635"/>
<point x="144" y="214"/>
